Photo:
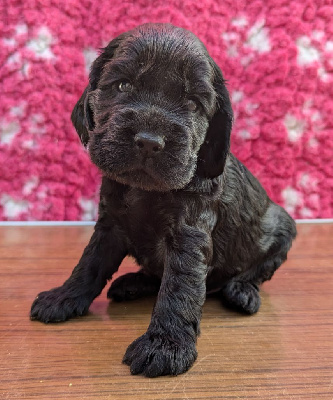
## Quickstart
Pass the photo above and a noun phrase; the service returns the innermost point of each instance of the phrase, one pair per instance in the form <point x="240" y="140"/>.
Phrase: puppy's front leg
<point x="168" y="346"/>
<point x="100" y="259"/>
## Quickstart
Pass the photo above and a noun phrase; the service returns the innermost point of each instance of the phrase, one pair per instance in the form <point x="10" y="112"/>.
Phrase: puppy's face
<point x="148" y="107"/>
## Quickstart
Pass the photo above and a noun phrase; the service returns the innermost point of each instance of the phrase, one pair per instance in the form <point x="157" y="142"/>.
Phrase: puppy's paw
<point x="133" y="286"/>
<point x="154" y="355"/>
<point x="243" y="296"/>
<point x="57" y="305"/>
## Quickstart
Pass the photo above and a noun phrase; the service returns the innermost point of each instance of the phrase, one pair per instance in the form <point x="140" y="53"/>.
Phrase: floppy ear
<point x="215" y="149"/>
<point x="83" y="114"/>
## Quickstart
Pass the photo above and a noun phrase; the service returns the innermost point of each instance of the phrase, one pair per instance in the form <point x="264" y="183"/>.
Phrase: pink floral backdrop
<point x="277" y="56"/>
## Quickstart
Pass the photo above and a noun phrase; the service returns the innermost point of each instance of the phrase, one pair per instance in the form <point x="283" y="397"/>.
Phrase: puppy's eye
<point x="192" y="105"/>
<point x="125" y="86"/>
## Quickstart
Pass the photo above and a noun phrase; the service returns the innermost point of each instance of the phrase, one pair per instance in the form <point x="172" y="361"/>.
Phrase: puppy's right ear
<point x="79" y="117"/>
<point x="83" y="113"/>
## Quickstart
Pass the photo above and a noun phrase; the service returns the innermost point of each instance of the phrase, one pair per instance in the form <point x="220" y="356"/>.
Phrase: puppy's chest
<point x="150" y="219"/>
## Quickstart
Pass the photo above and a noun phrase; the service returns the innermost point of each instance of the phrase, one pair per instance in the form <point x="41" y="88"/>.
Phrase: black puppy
<point x="156" y="117"/>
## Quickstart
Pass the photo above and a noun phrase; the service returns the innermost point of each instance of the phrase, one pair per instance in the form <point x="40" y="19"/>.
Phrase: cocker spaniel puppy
<point x="156" y="117"/>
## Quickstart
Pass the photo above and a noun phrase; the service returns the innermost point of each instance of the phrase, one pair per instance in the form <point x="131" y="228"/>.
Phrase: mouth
<point x="141" y="178"/>
<point x="151" y="174"/>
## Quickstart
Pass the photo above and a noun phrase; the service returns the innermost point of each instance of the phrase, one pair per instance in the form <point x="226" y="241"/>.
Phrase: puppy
<point x="156" y="117"/>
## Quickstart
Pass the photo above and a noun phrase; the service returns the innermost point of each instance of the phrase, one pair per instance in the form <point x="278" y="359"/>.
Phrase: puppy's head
<point x="156" y="110"/>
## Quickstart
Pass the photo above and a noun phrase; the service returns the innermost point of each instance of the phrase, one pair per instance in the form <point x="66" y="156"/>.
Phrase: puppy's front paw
<point x="58" y="305"/>
<point x="155" y="355"/>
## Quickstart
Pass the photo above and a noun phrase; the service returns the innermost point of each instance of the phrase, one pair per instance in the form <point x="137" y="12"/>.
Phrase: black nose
<point x="149" y="143"/>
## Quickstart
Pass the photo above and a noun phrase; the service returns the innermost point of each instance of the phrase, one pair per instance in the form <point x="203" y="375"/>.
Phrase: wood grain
<point x="283" y="352"/>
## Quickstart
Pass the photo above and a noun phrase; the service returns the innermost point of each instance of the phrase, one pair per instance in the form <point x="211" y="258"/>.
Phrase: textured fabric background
<point x="277" y="56"/>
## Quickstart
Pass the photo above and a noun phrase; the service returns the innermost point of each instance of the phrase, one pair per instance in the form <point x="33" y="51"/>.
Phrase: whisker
<point x="180" y="161"/>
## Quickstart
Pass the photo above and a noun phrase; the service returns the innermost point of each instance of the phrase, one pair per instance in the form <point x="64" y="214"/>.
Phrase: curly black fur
<point x="156" y="117"/>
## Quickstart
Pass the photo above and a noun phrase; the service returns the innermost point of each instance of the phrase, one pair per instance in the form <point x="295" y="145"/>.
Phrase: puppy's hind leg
<point x="242" y="291"/>
<point x="132" y="286"/>
<point x="242" y="296"/>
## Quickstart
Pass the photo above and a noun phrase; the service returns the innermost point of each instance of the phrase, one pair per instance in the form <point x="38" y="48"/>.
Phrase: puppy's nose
<point x="149" y="143"/>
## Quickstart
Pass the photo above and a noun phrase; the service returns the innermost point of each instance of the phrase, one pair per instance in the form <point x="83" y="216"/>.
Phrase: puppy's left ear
<point x="215" y="149"/>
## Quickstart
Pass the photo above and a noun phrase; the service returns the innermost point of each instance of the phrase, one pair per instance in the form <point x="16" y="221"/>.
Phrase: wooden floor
<point x="283" y="352"/>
